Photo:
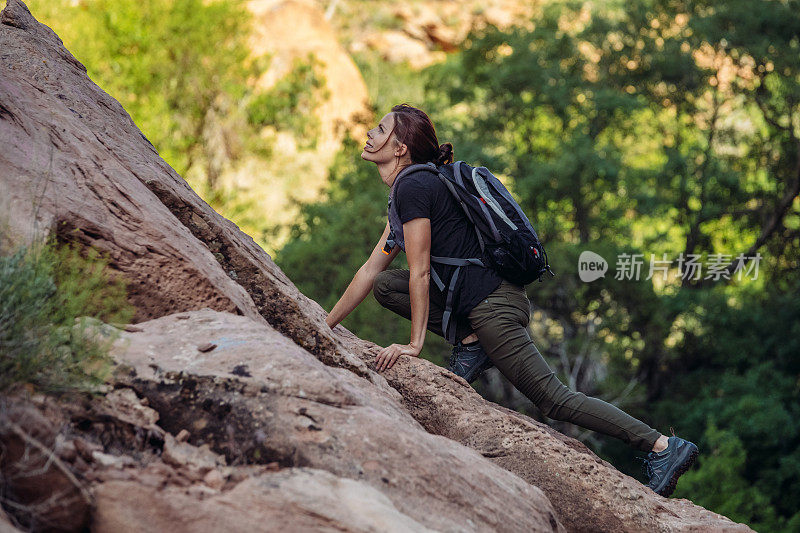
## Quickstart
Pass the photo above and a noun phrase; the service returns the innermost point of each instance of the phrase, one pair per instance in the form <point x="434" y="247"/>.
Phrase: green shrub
<point x="44" y="288"/>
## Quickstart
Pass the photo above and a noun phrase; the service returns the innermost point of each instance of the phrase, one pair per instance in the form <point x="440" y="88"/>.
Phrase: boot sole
<point x="679" y="471"/>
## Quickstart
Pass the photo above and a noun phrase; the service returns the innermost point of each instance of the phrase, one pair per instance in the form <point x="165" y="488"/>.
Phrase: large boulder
<point x="233" y="376"/>
<point x="298" y="499"/>
<point x="258" y="398"/>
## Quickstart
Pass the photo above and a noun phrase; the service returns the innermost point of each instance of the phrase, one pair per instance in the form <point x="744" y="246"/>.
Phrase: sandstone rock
<point x="126" y="406"/>
<point x="297" y="499"/>
<point x="214" y="479"/>
<point x="291" y="29"/>
<point x="289" y="410"/>
<point x="423" y="22"/>
<point x="107" y="460"/>
<point x="428" y="31"/>
<point x="201" y="459"/>
<point x="296" y="411"/>
<point x="396" y="47"/>
<point x="583" y="488"/>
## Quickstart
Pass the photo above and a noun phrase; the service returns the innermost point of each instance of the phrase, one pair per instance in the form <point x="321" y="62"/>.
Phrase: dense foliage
<point x="185" y="72"/>
<point x="737" y="389"/>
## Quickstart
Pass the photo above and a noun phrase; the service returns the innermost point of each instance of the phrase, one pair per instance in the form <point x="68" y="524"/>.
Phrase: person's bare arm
<point x="417" y="233"/>
<point x="361" y="285"/>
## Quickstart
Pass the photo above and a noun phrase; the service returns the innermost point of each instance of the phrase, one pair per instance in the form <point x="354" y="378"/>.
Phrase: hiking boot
<point x="469" y="361"/>
<point x="665" y="467"/>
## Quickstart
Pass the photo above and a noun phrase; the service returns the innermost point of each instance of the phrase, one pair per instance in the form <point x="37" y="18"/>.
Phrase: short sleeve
<point x="414" y="198"/>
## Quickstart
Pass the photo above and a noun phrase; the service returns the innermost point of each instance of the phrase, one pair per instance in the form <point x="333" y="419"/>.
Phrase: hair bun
<point x="445" y="154"/>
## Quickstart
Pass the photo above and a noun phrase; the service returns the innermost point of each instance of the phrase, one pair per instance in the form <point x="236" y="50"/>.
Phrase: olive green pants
<point x="501" y="323"/>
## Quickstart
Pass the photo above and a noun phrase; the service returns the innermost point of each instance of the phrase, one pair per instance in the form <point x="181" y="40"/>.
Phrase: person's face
<point x="381" y="145"/>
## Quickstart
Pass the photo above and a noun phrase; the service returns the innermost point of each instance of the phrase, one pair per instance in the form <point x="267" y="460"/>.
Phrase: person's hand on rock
<point x="387" y="356"/>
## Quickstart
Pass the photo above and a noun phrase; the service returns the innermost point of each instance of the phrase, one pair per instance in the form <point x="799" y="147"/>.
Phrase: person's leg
<point x="391" y="290"/>
<point x="500" y="322"/>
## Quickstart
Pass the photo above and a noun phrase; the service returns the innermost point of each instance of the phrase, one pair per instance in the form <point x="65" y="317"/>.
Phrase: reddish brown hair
<point x="413" y="128"/>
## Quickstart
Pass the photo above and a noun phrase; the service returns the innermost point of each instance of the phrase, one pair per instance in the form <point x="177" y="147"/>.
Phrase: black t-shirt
<point x="423" y="195"/>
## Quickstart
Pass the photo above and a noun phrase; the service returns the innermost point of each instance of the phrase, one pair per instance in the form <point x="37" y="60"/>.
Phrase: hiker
<point x="484" y="316"/>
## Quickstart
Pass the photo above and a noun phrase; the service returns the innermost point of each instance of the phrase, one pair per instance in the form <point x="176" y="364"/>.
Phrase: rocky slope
<point x="232" y="404"/>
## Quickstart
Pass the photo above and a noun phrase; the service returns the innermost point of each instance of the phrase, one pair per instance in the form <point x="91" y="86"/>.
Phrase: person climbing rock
<point x="483" y="315"/>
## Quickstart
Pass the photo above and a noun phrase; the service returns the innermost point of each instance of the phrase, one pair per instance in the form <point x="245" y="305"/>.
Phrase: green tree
<point x="543" y="113"/>
<point x="172" y="65"/>
<point x="738" y="370"/>
<point x="718" y="483"/>
<point x="723" y="83"/>
<point x="184" y="71"/>
<point x="290" y="104"/>
<point x="655" y="127"/>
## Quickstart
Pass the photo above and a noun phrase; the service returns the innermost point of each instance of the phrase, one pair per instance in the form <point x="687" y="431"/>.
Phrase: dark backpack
<point x="509" y="244"/>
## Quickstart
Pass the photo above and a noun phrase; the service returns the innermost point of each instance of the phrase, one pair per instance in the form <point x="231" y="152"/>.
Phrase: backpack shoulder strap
<point x="457" y="197"/>
<point x="448" y="325"/>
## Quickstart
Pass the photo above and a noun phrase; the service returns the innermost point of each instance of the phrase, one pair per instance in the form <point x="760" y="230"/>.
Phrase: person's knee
<point x="380" y="286"/>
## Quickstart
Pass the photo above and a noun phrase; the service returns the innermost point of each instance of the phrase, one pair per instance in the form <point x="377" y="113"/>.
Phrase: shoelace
<point x="647" y="469"/>
<point x="465" y="366"/>
<point x="454" y="355"/>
